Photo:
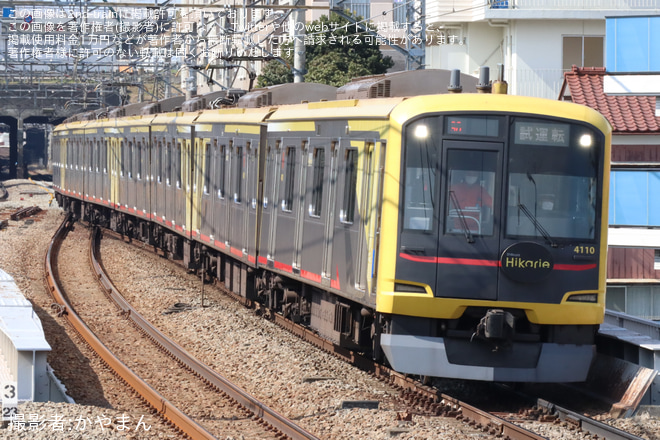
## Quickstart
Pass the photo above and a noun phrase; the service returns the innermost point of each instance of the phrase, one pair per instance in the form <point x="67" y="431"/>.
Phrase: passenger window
<point x="177" y="164"/>
<point x="139" y="160"/>
<point x="238" y="187"/>
<point x="318" y="162"/>
<point x="221" y="171"/>
<point x="122" y="157"/>
<point x="168" y="164"/>
<point x="159" y="160"/>
<point x="289" y="175"/>
<point x="207" y="168"/>
<point x="347" y="212"/>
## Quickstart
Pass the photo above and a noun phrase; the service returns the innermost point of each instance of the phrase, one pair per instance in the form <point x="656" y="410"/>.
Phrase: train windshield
<point x="552" y="195"/>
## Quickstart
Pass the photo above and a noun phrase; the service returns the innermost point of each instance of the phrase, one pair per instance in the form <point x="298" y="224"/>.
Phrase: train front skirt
<point x="427" y="356"/>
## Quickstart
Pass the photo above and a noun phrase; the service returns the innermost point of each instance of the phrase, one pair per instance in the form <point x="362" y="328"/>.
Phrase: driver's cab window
<point x="470" y="189"/>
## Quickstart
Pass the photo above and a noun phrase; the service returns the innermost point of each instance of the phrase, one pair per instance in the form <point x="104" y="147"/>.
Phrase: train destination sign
<point x="542" y="133"/>
<point x="473" y="125"/>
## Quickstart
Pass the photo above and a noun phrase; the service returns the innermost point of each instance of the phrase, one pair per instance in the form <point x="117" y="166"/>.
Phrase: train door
<point x="238" y="195"/>
<point x="194" y="199"/>
<point x="348" y="229"/>
<point x="468" y="244"/>
<point x="95" y="192"/>
<point x="185" y="193"/>
<point x="105" y="173"/>
<point x="270" y="197"/>
<point x="158" y="178"/>
<point x="130" y="178"/>
<point x="221" y="196"/>
<point x="171" y="180"/>
<point x="316" y="214"/>
<point x="114" y="166"/>
<point x="288" y="201"/>
<point x="209" y="150"/>
<point x="254" y="185"/>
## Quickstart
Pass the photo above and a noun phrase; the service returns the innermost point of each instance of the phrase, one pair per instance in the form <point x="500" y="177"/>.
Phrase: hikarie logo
<point x="527" y="262"/>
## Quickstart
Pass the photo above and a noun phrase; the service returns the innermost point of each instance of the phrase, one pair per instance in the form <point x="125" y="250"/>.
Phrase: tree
<point x="335" y="53"/>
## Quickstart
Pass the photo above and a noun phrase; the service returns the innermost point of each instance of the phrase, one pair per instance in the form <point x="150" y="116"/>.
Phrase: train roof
<point x="488" y="102"/>
<point x="235" y="115"/>
<point x="344" y="109"/>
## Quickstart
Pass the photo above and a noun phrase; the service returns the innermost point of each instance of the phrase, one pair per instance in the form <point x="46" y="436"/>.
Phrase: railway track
<point x="429" y="401"/>
<point x="198" y="402"/>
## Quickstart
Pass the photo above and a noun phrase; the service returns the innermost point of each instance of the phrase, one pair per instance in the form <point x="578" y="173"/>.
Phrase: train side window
<point x="104" y="156"/>
<point x="139" y="160"/>
<point x="221" y="171"/>
<point x="318" y="163"/>
<point x="238" y="187"/>
<point x="168" y="163"/>
<point x="207" y="169"/>
<point x="289" y="175"/>
<point x="122" y="156"/>
<point x="177" y="165"/>
<point x="159" y="160"/>
<point x="347" y="212"/>
<point x="130" y="152"/>
<point x="97" y="147"/>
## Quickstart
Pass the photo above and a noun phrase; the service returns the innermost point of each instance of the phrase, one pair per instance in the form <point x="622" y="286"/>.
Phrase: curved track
<point x="268" y="423"/>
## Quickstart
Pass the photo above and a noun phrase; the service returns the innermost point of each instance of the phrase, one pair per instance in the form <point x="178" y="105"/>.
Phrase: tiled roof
<point x="627" y="114"/>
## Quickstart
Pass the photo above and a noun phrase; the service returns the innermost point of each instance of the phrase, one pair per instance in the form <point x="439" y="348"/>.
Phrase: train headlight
<point x="584" y="297"/>
<point x="421" y="131"/>
<point x="586" y="140"/>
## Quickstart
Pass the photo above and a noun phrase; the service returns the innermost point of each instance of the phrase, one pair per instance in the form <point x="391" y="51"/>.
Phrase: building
<point x="634" y="216"/>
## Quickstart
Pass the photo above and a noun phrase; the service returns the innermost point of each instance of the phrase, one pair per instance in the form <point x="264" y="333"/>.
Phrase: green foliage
<point x="335" y="53"/>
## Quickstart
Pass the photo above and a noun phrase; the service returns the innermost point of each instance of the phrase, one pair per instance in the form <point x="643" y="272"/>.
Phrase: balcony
<point x="555" y="9"/>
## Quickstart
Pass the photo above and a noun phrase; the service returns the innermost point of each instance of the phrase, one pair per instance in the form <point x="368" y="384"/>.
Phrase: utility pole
<point x="299" y="43"/>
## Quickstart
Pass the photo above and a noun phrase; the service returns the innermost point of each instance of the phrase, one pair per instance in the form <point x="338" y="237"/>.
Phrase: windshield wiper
<point x="454" y="200"/>
<point x="539" y="227"/>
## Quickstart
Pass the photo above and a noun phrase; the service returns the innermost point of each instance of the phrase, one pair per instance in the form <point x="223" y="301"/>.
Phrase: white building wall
<point x="531" y="51"/>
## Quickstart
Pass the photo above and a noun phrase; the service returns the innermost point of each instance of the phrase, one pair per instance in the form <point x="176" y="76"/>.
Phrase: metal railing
<point x="642" y="326"/>
<point x="595" y="5"/>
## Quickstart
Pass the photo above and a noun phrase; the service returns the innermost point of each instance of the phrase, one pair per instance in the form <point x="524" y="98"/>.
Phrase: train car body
<point x="347" y="216"/>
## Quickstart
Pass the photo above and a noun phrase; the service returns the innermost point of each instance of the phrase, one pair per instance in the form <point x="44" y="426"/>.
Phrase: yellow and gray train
<point x="347" y="215"/>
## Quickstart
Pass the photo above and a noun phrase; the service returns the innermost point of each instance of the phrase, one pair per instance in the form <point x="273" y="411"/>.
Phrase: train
<point x="346" y="213"/>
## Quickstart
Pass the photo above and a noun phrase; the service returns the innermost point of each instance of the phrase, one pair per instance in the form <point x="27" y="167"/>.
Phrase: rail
<point x="270" y="416"/>
<point x="182" y="422"/>
<point x="585" y="424"/>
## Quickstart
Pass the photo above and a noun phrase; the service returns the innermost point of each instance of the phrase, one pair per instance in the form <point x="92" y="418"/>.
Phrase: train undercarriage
<point x="344" y="322"/>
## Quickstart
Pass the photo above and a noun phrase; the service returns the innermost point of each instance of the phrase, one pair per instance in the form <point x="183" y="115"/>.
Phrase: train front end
<point x="493" y="250"/>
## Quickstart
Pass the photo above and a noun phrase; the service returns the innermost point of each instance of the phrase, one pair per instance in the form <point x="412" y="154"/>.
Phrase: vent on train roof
<point x="381" y="89"/>
<point x="291" y="93"/>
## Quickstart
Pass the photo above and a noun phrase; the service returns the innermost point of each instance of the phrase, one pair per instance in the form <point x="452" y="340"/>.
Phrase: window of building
<point x="583" y="51"/>
<point x="359" y="8"/>
<point x="615" y="299"/>
<point x="633" y="198"/>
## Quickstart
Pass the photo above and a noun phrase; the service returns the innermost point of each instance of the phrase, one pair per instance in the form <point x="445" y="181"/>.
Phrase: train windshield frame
<point x="551" y="175"/>
<point x="553" y="180"/>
